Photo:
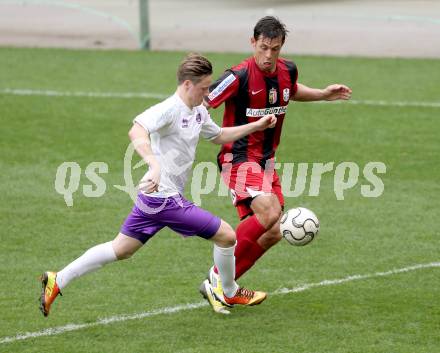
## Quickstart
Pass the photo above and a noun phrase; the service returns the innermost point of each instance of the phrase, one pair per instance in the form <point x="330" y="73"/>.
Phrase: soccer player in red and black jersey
<point x="260" y="85"/>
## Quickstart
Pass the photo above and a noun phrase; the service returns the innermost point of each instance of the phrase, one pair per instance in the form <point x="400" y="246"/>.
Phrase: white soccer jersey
<point x="174" y="132"/>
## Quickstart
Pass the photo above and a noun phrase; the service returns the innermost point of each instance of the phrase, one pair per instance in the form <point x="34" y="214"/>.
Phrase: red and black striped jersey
<point x="249" y="94"/>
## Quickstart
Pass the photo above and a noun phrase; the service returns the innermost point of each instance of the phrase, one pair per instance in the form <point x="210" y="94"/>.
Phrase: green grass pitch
<point x="396" y="313"/>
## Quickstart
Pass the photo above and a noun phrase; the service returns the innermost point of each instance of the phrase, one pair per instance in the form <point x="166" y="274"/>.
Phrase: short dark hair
<point x="193" y="68"/>
<point x="270" y="27"/>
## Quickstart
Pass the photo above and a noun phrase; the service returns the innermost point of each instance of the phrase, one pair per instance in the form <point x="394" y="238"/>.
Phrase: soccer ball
<point x="299" y="226"/>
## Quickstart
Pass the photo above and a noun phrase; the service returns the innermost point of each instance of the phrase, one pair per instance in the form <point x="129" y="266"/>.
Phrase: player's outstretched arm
<point x="230" y="134"/>
<point x="140" y="139"/>
<point x="330" y="93"/>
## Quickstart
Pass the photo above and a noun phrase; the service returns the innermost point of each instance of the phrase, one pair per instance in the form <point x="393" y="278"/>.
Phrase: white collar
<point x="187" y="109"/>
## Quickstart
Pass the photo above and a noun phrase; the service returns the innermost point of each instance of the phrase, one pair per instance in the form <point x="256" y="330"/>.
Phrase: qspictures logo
<point x="297" y="179"/>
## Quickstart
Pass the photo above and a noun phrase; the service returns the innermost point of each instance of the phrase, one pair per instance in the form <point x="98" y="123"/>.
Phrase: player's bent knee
<point x="230" y="240"/>
<point x="124" y="253"/>
<point x="268" y="209"/>
<point x="125" y="246"/>
<point x="225" y="236"/>
<point x="128" y="252"/>
<point x="269" y="217"/>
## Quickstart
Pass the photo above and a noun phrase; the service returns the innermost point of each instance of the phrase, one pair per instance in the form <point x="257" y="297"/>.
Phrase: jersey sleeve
<point x="154" y="118"/>
<point x="210" y="130"/>
<point x="223" y="89"/>
<point x="293" y="72"/>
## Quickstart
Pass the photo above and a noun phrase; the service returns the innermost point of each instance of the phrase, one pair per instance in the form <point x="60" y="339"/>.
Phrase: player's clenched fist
<point x="267" y="121"/>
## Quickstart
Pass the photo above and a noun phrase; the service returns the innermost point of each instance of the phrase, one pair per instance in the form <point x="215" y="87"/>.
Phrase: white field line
<point x="395" y="104"/>
<point x="175" y="309"/>
<point x="52" y="93"/>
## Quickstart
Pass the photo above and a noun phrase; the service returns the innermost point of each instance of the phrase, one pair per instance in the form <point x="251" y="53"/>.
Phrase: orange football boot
<point x="49" y="291"/>
<point x="245" y="296"/>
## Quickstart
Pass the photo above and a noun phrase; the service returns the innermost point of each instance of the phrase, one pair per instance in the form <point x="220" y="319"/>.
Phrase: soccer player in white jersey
<point x="166" y="136"/>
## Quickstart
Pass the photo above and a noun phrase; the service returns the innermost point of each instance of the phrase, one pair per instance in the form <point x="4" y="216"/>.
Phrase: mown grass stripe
<point x="175" y="309"/>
